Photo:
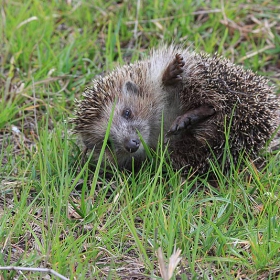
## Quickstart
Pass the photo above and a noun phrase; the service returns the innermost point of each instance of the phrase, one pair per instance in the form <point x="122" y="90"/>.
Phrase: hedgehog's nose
<point x="132" y="145"/>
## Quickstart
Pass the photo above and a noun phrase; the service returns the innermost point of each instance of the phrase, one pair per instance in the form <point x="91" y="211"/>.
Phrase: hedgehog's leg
<point x="191" y="118"/>
<point x="172" y="73"/>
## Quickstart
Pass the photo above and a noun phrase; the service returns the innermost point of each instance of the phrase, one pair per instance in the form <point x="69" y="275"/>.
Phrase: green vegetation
<point x="56" y="213"/>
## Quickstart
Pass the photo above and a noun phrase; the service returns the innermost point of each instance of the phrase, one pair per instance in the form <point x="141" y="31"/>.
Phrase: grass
<point x="57" y="214"/>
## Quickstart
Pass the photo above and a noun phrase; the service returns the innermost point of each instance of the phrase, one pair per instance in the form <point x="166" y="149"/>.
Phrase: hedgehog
<point x="201" y="102"/>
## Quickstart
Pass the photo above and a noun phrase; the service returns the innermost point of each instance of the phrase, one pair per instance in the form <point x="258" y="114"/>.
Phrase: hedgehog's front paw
<point x="189" y="119"/>
<point x="172" y="73"/>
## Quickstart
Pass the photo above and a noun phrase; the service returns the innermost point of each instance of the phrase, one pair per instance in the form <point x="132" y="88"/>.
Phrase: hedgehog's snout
<point x="131" y="144"/>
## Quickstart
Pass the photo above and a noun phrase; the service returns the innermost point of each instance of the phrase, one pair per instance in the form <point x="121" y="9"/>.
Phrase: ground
<point x="57" y="213"/>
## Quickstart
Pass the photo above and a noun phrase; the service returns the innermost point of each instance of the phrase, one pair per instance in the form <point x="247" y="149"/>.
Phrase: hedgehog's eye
<point x="127" y="114"/>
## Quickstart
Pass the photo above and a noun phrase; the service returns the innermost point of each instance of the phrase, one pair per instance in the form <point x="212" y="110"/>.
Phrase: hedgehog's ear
<point x="131" y="88"/>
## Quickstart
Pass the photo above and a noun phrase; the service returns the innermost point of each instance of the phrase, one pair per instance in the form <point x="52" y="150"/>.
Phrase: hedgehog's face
<point x="133" y="120"/>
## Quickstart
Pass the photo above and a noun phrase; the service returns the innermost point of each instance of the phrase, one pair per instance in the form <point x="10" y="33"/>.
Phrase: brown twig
<point x="35" y="269"/>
